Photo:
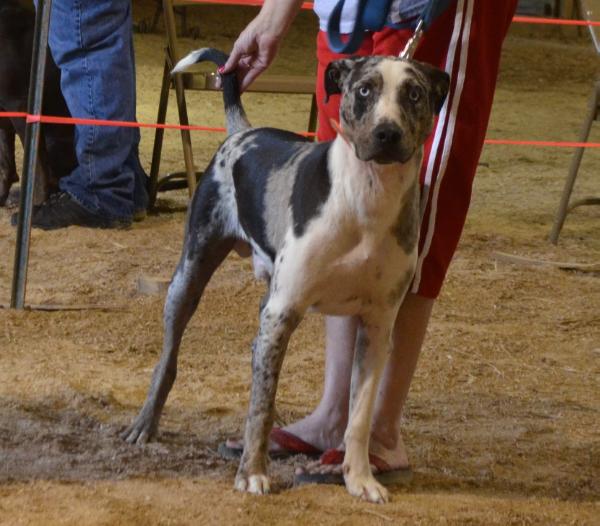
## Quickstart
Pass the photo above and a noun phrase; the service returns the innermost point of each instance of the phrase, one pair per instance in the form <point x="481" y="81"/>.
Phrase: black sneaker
<point x="61" y="211"/>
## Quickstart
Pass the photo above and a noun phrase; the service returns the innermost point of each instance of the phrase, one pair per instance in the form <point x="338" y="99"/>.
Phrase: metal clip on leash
<point x="413" y="42"/>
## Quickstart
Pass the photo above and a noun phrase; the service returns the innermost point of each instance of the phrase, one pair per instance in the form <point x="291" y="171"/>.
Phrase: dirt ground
<point x="503" y="420"/>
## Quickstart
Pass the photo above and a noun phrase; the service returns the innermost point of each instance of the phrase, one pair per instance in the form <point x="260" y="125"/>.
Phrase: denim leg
<point x="91" y="42"/>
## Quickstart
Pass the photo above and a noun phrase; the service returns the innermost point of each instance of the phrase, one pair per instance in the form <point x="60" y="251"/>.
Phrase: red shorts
<point x="465" y="41"/>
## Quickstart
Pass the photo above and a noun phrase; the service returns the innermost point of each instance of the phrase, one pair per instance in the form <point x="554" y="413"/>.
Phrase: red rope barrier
<point x="305" y="5"/>
<point x="255" y="3"/>
<point x="554" y="21"/>
<point x="13" y="114"/>
<point x="120" y="124"/>
<point x="49" y="119"/>
<point x="130" y="124"/>
<point x="517" y="19"/>
<point x="550" y="144"/>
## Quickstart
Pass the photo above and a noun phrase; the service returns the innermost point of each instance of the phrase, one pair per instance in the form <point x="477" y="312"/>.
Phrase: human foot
<point x="282" y="444"/>
<point x="309" y="436"/>
<point x="389" y="465"/>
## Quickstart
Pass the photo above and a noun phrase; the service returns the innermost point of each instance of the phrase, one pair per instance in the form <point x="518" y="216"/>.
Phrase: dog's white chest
<point x="360" y="278"/>
<point x="351" y="256"/>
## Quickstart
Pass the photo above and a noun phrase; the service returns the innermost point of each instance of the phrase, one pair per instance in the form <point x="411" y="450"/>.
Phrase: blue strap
<point x="434" y="9"/>
<point x="372" y="15"/>
<point x="356" y="35"/>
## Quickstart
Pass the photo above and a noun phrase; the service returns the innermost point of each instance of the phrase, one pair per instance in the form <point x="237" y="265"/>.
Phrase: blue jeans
<point x="92" y="44"/>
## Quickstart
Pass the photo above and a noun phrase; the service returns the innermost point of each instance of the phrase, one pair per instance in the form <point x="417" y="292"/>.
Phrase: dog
<point x="332" y="226"/>
<point x="57" y="151"/>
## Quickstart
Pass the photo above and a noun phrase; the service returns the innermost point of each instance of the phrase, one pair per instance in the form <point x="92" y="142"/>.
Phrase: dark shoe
<point x="139" y="215"/>
<point x="61" y="211"/>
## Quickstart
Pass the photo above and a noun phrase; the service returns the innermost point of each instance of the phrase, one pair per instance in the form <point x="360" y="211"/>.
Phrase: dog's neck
<point x="386" y="177"/>
<point x="372" y="190"/>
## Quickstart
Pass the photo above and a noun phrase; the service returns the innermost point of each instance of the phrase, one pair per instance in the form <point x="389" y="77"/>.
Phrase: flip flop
<point x="289" y="443"/>
<point x="385" y="474"/>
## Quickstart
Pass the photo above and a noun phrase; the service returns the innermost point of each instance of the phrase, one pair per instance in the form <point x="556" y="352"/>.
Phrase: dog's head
<point x="388" y="104"/>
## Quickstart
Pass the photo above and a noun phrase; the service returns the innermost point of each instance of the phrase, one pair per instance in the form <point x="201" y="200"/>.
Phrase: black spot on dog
<point x="361" y="106"/>
<point x="365" y="85"/>
<point x="263" y="152"/>
<point x="406" y="229"/>
<point x="345" y="115"/>
<point x="311" y="187"/>
<point x="205" y="200"/>
<point x="400" y="288"/>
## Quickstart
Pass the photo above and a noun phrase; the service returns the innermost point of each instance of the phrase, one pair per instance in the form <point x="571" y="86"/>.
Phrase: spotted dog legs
<point x="373" y="344"/>
<point x="276" y="327"/>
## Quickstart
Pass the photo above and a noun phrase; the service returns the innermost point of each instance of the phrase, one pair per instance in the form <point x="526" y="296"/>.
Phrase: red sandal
<point x="289" y="443"/>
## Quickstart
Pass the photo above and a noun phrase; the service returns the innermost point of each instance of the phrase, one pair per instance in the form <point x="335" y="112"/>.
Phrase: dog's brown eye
<point x="414" y="94"/>
<point x="364" y="91"/>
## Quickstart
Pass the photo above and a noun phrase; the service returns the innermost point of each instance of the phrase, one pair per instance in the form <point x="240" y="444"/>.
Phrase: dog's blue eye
<point x="364" y="91"/>
<point x="414" y="94"/>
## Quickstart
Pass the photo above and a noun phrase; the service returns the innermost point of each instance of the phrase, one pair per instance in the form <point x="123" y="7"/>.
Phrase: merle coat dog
<point x="332" y="226"/>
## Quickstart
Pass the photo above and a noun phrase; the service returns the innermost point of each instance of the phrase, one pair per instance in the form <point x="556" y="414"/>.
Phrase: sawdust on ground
<point x="502" y="424"/>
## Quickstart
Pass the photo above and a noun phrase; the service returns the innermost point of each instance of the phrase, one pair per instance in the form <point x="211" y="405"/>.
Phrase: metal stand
<point x="32" y="139"/>
<point x="584" y="8"/>
<point x="564" y="208"/>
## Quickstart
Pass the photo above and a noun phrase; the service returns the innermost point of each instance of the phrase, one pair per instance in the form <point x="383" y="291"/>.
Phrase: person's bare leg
<point x="386" y="439"/>
<point x="324" y="427"/>
<point x="409" y="334"/>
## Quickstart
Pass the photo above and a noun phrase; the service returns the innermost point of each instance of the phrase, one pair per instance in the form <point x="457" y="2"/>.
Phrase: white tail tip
<point x="187" y="61"/>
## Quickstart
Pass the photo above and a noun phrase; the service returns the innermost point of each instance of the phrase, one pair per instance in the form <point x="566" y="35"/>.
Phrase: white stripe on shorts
<point x="451" y="122"/>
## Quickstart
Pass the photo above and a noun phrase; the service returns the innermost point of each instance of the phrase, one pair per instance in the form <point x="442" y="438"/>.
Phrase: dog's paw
<point x="255" y="484"/>
<point x="366" y="488"/>
<point x="140" y="432"/>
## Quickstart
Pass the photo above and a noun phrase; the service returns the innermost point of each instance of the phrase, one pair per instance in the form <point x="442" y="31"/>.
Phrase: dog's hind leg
<point x="206" y="246"/>
<point x="183" y="297"/>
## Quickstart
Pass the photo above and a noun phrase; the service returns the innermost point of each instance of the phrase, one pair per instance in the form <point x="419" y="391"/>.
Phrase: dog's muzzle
<point x="386" y="145"/>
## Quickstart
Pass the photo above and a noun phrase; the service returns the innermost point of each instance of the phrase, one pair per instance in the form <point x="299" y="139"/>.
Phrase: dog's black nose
<point x="387" y="134"/>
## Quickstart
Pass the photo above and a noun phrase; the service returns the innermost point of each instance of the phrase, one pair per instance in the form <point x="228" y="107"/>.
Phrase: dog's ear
<point x="335" y="74"/>
<point x="440" y="84"/>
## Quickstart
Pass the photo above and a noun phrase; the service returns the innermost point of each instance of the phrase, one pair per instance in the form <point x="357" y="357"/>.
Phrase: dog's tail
<point x="234" y="111"/>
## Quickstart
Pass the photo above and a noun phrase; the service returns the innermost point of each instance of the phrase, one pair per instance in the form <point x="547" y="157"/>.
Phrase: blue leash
<point x="372" y="15"/>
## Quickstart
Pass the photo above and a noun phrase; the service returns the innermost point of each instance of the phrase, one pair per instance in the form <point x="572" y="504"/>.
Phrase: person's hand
<point x="253" y="51"/>
<point x="257" y="45"/>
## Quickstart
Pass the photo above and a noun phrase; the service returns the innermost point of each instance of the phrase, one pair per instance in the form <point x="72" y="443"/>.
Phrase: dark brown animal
<point x="57" y="152"/>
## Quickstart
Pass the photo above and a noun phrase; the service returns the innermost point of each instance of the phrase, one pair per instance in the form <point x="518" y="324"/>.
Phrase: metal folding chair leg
<point x="32" y="141"/>
<point x="563" y="207"/>
<point x="312" y="118"/>
<point x="159" y="134"/>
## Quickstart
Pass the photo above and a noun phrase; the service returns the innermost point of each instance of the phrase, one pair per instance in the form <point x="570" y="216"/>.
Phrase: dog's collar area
<point x="336" y="125"/>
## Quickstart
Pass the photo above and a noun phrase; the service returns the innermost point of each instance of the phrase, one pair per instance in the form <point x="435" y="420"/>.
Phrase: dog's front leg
<point x="268" y="351"/>
<point x="373" y="343"/>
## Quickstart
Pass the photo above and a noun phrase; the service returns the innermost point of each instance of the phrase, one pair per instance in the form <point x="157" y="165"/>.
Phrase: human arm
<point x="257" y="45"/>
